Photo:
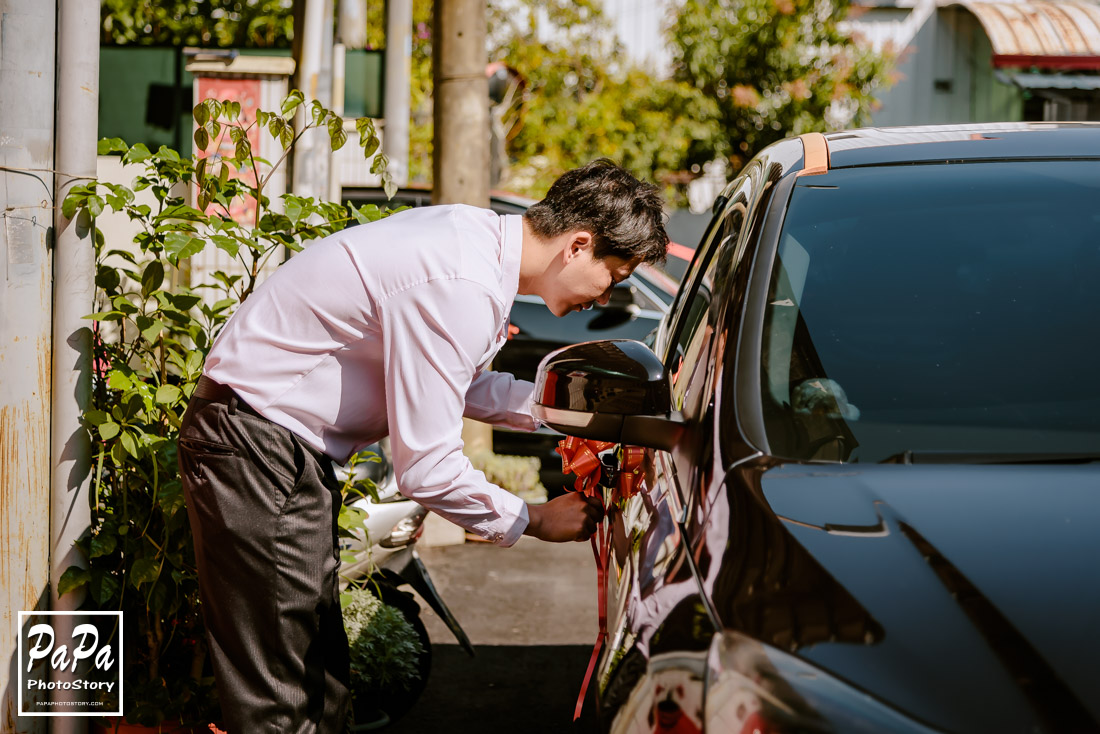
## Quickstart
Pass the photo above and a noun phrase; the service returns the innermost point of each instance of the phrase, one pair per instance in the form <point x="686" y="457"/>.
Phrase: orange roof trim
<point x="816" y="154"/>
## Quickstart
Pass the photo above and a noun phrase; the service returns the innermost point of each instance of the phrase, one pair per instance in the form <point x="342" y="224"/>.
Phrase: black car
<point x="634" y="310"/>
<point x="873" y="477"/>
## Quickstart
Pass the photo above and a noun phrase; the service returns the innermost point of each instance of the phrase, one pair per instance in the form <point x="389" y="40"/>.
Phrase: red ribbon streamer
<point x="579" y="456"/>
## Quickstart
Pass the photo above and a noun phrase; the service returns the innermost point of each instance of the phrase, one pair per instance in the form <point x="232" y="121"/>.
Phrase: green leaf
<point x="226" y="243"/>
<point x="137" y="154"/>
<point x="179" y="246"/>
<point x="96" y="417"/>
<point x="144" y="571"/>
<point x="72" y="202"/>
<point x="185" y="301"/>
<point x="103" y="544"/>
<point x="389" y="187"/>
<point x="241" y="153"/>
<point x="378" y="165"/>
<point x="129" y="444"/>
<point x="364" y="126"/>
<point x="116" y="380"/>
<point x="106" y="316"/>
<point x="181" y="212"/>
<point x="74" y="576"/>
<point x="202" y="139"/>
<point x="292" y="101"/>
<point x="108" y="430"/>
<point x="120" y="197"/>
<point x="292" y="207"/>
<point x="366" y="213"/>
<point x="95" y="205"/>
<point x="317" y="112"/>
<point x="103" y="587"/>
<point x="201" y="114"/>
<point x="167" y="394"/>
<point x="106" y="146"/>
<point x="232" y="110"/>
<point x="170" y="499"/>
<point x="194" y="361"/>
<point x="153" y="331"/>
<point x="152" y="278"/>
<point x="336" y="136"/>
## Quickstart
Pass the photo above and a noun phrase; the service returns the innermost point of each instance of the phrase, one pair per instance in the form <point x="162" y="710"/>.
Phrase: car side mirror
<point x="614" y="390"/>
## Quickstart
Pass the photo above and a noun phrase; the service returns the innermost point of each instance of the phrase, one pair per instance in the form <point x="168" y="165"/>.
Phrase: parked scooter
<point x="385" y="559"/>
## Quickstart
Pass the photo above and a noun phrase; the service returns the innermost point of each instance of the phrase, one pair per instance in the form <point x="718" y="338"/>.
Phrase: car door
<point x="657" y="577"/>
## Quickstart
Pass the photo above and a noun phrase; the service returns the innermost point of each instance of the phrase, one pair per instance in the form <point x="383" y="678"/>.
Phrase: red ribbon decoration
<point x="579" y="456"/>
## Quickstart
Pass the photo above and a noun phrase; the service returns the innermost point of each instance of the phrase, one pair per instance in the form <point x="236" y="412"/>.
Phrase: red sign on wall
<point x="247" y="93"/>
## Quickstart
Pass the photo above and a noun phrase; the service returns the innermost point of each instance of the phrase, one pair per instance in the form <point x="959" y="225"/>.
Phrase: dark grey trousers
<point x="263" y="508"/>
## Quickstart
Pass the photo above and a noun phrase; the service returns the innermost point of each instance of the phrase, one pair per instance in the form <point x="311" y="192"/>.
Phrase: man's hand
<point x="573" y="516"/>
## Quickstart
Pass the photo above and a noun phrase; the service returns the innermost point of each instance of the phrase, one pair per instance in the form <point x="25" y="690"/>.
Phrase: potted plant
<point x="152" y="331"/>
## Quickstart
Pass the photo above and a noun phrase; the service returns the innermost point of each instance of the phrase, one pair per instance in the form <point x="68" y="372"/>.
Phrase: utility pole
<point x="27" y="73"/>
<point x="398" y="89"/>
<point x="74" y="296"/>
<point x="312" y="155"/>
<point x="460" y="159"/>
<point x="460" y="163"/>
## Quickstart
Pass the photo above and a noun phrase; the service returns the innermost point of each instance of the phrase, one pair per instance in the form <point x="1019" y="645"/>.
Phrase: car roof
<point x="965" y="142"/>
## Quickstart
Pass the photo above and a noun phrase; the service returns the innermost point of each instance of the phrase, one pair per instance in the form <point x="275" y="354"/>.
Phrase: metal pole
<point x="74" y="293"/>
<point x="460" y="162"/>
<point x="312" y="155"/>
<point x="27" y="70"/>
<point x="398" y="88"/>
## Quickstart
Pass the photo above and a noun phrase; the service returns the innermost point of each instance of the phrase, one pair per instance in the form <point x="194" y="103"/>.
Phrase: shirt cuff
<point x="507" y="529"/>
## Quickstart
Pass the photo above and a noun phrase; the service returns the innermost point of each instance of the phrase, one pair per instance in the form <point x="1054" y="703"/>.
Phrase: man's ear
<point x="578" y="242"/>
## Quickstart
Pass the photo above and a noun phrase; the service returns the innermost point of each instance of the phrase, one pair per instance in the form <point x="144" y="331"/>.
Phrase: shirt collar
<point x="511" y="251"/>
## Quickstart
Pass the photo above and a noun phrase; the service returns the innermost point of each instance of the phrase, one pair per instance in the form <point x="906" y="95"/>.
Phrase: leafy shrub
<point x="384" y="646"/>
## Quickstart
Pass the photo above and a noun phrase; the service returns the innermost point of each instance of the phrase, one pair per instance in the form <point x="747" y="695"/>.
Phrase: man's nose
<point x="603" y="300"/>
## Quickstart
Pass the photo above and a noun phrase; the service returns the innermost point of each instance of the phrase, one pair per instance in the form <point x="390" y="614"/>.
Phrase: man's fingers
<point x="594" y="508"/>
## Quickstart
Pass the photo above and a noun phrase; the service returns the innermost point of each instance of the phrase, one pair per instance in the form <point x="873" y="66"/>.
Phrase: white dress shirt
<point x="387" y="328"/>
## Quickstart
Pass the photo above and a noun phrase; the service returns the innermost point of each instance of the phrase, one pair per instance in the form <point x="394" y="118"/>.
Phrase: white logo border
<point x="19" y="665"/>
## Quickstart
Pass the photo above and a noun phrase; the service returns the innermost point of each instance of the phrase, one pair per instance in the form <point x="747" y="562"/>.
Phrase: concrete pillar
<point x="460" y="160"/>
<point x="27" y="60"/>
<point x="460" y="165"/>
<point x="398" y="89"/>
<point x="74" y="294"/>
<point x="312" y="154"/>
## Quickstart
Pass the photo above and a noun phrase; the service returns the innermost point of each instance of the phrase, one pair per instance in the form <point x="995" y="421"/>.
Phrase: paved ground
<point x="530" y="611"/>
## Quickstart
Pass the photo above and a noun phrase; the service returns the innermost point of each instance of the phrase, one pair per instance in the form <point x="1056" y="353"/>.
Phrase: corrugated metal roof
<point x="1064" y="34"/>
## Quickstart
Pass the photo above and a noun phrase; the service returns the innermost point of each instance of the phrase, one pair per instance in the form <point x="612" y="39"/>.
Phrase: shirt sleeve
<point x="502" y="400"/>
<point x="433" y="335"/>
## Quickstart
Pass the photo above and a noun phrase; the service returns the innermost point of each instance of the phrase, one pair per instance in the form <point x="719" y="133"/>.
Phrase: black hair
<point x="623" y="214"/>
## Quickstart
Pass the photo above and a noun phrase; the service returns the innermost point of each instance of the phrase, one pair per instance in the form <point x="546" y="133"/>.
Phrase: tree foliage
<point x="775" y="68"/>
<point x="218" y="23"/>
<point x="581" y="103"/>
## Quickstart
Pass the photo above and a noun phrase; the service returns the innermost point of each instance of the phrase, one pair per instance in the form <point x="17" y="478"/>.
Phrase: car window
<point x="935" y="308"/>
<point x="698" y="314"/>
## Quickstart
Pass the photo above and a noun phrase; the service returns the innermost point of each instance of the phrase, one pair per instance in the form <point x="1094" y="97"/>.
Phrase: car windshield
<point x="936" y="308"/>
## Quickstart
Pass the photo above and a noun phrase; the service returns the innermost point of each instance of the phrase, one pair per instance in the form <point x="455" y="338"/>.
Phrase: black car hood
<point x="982" y="584"/>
